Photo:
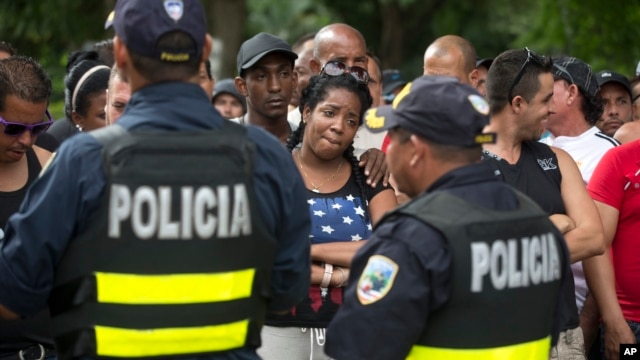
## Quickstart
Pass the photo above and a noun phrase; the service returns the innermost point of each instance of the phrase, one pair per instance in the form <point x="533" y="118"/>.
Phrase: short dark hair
<point x="24" y="78"/>
<point x="6" y="47"/>
<point x="79" y="64"/>
<point x="104" y="49"/>
<point x="375" y="59"/>
<point x="503" y="72"/>
<point x="301" y="40"/>
<point x="454" y="154"/>
<point x="155" y="70"/>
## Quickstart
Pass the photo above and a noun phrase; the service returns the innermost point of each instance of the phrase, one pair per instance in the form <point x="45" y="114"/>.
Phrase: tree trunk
<point x="392" y="36"/>
<point x="227" y="24"/>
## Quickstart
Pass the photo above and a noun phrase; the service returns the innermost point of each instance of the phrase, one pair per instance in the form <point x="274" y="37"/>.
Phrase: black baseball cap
<point x="484" y="62"/>
<point x="438" y="108"/>
<point x="254" y="49"/>
<point x="391" y="80"/>
<point x="576" y="71"/>
<point x="607" y="76"/>
<point x="141" y="23"/>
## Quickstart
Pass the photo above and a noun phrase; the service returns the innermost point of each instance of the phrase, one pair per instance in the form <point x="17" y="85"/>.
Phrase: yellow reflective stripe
<point x="119" y="342"/>
<point x="174" y="288"/>
<point x="533" y="350"/>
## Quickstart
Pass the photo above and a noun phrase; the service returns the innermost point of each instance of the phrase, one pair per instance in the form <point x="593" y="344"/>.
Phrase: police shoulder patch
<point x="376" y="279"/>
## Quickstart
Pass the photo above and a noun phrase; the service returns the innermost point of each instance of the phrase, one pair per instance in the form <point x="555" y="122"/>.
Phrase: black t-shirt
<point x="537" y="174"/>
<point x="18" y="335"/>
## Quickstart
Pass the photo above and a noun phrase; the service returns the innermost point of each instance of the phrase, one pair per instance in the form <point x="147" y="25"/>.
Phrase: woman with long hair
<point x="343" y="209"/>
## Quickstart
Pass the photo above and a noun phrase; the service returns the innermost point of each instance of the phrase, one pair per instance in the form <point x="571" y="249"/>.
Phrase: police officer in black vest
<point x="469" y="268"/>
<point x="170" y="234"/>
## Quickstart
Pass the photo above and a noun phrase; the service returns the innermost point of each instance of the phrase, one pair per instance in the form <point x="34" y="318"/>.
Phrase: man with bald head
<point x="339" y="42"/>
<point x="345" y="45"/>
<point x="452" y="55"/>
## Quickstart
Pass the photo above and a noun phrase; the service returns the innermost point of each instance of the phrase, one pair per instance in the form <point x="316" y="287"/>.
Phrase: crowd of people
<point x="318" y="205"/>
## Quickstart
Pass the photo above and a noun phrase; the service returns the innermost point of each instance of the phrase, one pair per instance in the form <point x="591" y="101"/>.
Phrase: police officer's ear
<point x="241" y="86"/>
<point x="206" y="49"/>
<point x="419" y="149"/>
<point x="120" y="53"/>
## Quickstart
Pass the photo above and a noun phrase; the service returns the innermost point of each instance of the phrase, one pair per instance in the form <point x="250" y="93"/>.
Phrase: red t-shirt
<point x="616" y="182"/>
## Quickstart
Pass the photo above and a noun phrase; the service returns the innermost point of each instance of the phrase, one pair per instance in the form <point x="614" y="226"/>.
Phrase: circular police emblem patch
<point x="376" y="279"/>
<point x="479" y="103"/>
<point x="174" y="8"/>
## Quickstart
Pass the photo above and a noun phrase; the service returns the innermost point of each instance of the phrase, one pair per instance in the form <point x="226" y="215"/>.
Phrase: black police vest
<point x="177" y="260"/>
<point x="507" y="267"/>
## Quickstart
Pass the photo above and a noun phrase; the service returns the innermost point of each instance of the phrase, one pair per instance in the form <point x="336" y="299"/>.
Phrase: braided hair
<point x="316" y="92"/>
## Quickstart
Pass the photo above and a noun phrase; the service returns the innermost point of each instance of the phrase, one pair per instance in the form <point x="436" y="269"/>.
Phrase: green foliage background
<point x="398" y="31"/>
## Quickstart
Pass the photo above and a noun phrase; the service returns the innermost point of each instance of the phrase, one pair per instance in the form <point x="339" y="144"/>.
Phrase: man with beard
<point x="615" y="93"/>
<point x="520" y="88"/>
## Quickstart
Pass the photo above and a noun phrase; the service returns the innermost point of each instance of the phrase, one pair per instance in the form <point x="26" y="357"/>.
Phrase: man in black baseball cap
<point x="392" y="83"/>
<point x="615" y="92"/>
<point x="444" y="241"/>
<point x="482" y="67"/>
<point x="267" y="80"/>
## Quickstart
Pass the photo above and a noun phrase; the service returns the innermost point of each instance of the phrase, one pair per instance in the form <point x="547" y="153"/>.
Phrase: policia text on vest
<point x="221" y="212"/>
<point x="515" y="263"/>
<point x="177" y="260"/>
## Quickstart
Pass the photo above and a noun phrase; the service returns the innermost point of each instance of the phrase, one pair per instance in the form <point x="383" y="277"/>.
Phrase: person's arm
<point x="282" y="197"/>
<point x="601" y="280"/>
<point x="419" y="285"/>
<point x="37" y="236"/>
<point x="375" y="168"/>
<point x="589" y="321"/>
<point x="341" y="252"/>
<point x="586" y="239"/>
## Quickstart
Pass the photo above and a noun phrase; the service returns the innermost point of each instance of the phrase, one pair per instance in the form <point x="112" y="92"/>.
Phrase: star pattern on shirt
<point x="328" y="229"/>
<point x="341" y="217"/>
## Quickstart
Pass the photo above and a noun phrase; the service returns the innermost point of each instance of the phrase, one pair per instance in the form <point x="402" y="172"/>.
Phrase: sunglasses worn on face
<point x="531" y="56"/>
<point x="16" y="129"/>
<point x="336" y="68"/>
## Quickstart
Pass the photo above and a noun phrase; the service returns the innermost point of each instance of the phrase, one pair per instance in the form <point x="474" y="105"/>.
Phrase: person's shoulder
<point x="603" y="139"/>
<point x="407" y="229"/>
<point x="628" y="132"/>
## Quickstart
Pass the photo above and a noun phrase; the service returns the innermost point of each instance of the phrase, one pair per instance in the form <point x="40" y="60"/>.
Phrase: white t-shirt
<point x="586" y="150"/>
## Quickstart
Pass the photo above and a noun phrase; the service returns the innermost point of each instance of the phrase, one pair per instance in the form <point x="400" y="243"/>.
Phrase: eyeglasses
<point x="531" y="56"/>
<point x="336" y="68"/>
<point x="16" y="129"/>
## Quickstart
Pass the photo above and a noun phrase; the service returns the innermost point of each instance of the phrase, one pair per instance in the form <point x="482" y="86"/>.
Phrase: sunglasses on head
<point x="565" y="73"/>
<point x="336" y="68"/>
<point x="16" y="129"/>
<point x="531" y="56"/>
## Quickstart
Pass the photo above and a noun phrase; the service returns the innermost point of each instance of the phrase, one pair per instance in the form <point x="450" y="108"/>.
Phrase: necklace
<point x="316" y="188"/>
